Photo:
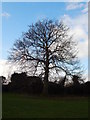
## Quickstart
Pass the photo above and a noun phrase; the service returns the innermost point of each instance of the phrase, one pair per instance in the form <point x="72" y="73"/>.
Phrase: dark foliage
<point x="87" y="88"/>
<point x="55" y="88"/>
<point x="5" y="88"/>
<point x="24" y="84"/>
<point x="34" y="84"/>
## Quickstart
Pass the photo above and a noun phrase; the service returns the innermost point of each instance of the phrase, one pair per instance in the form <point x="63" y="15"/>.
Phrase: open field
<point x="24" y="106"/>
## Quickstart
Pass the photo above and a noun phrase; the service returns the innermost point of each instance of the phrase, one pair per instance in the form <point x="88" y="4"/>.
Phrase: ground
<point x="26" y="106"/>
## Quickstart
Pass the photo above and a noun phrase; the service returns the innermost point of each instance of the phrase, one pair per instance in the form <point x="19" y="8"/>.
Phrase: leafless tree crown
<point x="48" y="45"/>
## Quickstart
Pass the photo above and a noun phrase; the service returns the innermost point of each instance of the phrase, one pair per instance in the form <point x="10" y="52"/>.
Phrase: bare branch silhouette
<point x="48" y="44"/>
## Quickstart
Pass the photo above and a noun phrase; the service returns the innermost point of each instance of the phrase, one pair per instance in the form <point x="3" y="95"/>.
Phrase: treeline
<point x="21" y="83"/>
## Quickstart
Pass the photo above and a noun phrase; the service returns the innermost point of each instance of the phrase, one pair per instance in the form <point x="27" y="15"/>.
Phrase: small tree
<point x="48" y="45"/>
<point x="3" y="80"/>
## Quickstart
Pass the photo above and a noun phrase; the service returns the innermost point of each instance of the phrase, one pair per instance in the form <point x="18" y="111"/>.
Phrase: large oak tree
<point x="49" y="47"/>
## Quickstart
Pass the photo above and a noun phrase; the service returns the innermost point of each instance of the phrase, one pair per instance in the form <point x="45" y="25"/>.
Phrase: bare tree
<point x="49" y="46"/>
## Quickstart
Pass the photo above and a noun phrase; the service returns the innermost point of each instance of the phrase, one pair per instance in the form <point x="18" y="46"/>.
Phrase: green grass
<point x="24" y="106"/>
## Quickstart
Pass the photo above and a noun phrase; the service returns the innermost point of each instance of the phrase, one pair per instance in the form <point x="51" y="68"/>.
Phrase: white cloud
<point x="6" y="68"/>
<point x="3" y="68"/>
<point x="85" y="10"/>
<point x="5" y="14"/>
<point x="83" y="49"/>
<point x="75" y="5"/>
<point x="81" y="20"/>
<point x="79" y="27"/>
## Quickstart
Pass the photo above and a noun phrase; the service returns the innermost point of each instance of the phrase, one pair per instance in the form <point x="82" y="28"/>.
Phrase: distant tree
<point x="62" y="81"/>
<point x="77" y="79"/>
<point x="20" y="82"/>
<point x="49" y="46"/>
<point x="17" y="82"/>
<point x="3" y="80"/>
<point x="87" y="88"/>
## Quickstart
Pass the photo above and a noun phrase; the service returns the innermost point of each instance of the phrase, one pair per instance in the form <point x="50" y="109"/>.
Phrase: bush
<point x="23" y="83"/>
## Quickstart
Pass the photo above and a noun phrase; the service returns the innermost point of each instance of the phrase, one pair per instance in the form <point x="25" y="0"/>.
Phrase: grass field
<point x="24" y="106"/>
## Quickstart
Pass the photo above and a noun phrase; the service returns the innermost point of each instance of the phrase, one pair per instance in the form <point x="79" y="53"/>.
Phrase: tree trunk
<point x="63" y="82"/>
<point x="45" y="88"/>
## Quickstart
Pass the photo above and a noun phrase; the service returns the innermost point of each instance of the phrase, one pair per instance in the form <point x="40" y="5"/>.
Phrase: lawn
<point x="25" y="106"/>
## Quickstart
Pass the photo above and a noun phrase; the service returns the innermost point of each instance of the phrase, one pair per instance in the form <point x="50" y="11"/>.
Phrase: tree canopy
<point x="48" y="46"/>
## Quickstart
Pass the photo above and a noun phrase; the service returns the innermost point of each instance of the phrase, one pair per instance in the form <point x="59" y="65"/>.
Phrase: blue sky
<point x="18" y="15"/>
<point x="24" y="14"/>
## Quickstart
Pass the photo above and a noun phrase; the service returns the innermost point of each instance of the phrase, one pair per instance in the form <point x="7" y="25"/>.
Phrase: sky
<point x="16" y="16"/>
